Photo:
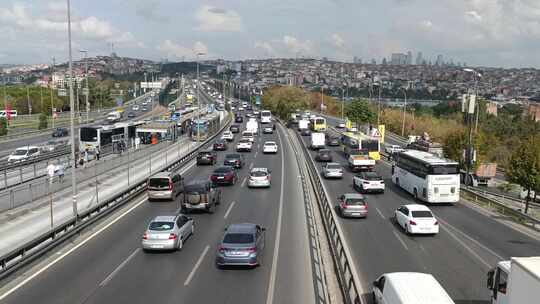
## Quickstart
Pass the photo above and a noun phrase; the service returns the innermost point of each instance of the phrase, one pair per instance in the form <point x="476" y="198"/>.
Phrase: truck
<point x="318" y="140"/>
<point x="424" y="143"/>
<point x="515" y="281"/>
<point x="253" y="126"/>
<point x="114" y="116"/>
<point x="359" y="160"/>
<point x="303" y="124"/>
<point x="481" y="176"/>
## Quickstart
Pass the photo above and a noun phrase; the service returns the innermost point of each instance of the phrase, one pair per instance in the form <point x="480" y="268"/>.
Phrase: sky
<point x="498" y="33"/>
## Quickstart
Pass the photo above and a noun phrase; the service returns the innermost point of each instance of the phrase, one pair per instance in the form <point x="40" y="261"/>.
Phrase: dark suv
<point x="234" y="129"/>
<point x="235" y="160"/>
<point x="206" y="157"/>
<point x="201" y="195"/>
<point x="60" y="132"/>
<point x="239" y="118"/>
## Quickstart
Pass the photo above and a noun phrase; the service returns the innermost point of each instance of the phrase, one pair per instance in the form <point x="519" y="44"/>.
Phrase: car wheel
<point x="397" y="181"/>
<point x="180" y="243"/>
<point x="374" y="297"/>
<point x="415" y="194"/>
<point x="192" y="229"/>
<point x="407" y="229"/>
<point x="211" y="209"/>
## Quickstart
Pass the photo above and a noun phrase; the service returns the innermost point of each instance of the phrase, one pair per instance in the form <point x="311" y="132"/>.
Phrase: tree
<point x="42" y="121"/>
<point x="453" y="146"/>
<point x="524" y="167"/>
<point x="283" y="101"/>
<point x="359" y="112"/>
<point x="3" y="126"/>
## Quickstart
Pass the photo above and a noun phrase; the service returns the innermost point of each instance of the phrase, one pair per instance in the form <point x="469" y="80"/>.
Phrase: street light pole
<point x="86" y="78"/>
<point x="404" y="111"/>
<point x="52" y="84"/>
<point x="379" y="105"/>
<point x="198" y="99"/>
<point x="72" y="118"/>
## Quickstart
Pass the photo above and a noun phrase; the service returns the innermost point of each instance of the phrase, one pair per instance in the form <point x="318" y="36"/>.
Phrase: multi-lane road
<point x="107" y="265"/>
<point x="470" y="242"/>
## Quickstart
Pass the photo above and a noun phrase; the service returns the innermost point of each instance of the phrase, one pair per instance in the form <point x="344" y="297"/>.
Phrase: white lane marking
<point x="199" y="261"/>
<point x="471" y="239"/>
<point x="251" y="166"/>
<point x="272" y="283"/>
<point x="256" y="152"/>
<point x="400" y="239"/>
<point x="93" y="235"/>
<point x="115" y="271"/>
<point x="244" y="182"/>
<point x="229" y="209"/>
<point x="380" y="213"/>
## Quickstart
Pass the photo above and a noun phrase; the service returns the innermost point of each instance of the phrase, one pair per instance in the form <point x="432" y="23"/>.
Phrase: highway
<point x="110" y="266"/>
<point x="470" y="242"/>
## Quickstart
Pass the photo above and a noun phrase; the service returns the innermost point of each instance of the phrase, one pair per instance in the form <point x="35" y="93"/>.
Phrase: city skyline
<point x="497" y="35"/>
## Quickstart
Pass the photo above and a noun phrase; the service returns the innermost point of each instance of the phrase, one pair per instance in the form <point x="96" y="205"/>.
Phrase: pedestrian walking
<point x="50" y="172"/>
<point x="137" y="142"/>
<point x="85" y="158"/>
<point x="97" y="153"/>
<point x="60" y="172"/>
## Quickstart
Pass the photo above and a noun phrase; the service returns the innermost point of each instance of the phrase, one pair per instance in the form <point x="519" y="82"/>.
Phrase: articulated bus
<point x="427" y="177"/>
<point x="102" y="136"/>
<point x="318" y="124"/>
<point x="359" y="141"/>
<point x="201" y="129"/>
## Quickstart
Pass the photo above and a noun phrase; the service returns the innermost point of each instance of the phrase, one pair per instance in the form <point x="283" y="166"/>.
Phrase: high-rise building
<point x="355" y="59"/>
<point x="419" y="58"/>
<point x="373" y="61"/>
<point x="439" y="61"/>
<point x="398" y="59"/>
<point x="409" y="58"/>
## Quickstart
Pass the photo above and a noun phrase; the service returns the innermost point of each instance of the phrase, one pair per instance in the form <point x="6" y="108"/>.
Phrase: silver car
<point x="259" y="177"/>
<point x="352" y="205"/>
<point x="165" y="185"/>
<point x="241" y="245"/>
<point x="168" y="232"/>
<point x="332" y="170"/>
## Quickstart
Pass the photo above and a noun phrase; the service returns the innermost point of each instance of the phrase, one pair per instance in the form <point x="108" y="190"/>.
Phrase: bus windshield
<point x="443" y="169"/>
<point x="88" y="134"/>
<point x="370" y="145"/>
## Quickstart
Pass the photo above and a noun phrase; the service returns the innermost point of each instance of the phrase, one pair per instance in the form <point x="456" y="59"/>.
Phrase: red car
<point x="224" y="176"/>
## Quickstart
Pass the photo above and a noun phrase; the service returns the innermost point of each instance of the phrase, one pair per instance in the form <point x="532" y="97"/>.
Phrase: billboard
<point x="151" y="85"/>
<point x="258" y="100"/>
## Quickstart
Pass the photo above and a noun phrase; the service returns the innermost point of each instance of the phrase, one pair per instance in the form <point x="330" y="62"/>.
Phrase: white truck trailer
<point x="317" y="140"/>
<point x="516" y="281"/>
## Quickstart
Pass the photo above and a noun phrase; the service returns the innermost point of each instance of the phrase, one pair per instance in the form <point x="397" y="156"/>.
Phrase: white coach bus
<point x="427" y="177"/>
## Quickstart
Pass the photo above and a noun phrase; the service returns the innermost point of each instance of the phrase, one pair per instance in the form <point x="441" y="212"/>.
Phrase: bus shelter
<point x="158" y="131"/>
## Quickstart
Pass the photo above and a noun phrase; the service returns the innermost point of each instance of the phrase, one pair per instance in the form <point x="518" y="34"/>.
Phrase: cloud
<point x="338" y="41"/>
<point x="213" y="19"/>
<point x="473" y="16"/>
<point x="149" y="10"/>
<point x="266" y="47"/>
<point x="180" y="52"/>
<point x="294" y="45"/>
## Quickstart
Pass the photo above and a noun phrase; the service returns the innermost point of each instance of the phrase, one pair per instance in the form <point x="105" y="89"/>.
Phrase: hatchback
<point x="241" y="245"/>
<point x="206" y="157"/>
<point x="235" y="160"/>
<point x="270" y="147"/>
<point x="239" y="119"/>
<point x="224" y="175"/>
<point x="259" y="177"/>
<point x="332" y="141"/>
<point x="24" y="153"/>
<point x="165" y="185"/>
<point x="60" y="132"/>
<point x="167" y="232"/>
<point x="220" y="145"/>
<point x="324" y="155"/>
<point x="366" y="182"/>
<point x="352" y="205"/>
<point x="234" y="129"/>
<point x="332" y="170"/>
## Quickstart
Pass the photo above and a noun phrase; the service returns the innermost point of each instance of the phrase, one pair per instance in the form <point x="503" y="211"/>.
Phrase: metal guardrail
<point x="349" y="282"/>
<point x="30" y="251"/>
<point x="501" y="207"/>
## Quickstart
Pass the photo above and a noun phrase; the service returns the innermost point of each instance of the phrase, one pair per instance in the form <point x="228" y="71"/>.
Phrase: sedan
<point x="340" y="125"/>
<point x="366" y="182"/>
<point x="268" y="130"/>
<point x="234" y="129"/>
<point x="220" y="145"/>
<point x="352" y="205"/>
<point x="270" y="147"/>
<point x="416" y="219"/>
<point x="167" y="232"/>
<point x="131" y="115"/>
<point x="239" y="119"/>
<point x="332" y="170"/>
<point x="305" y="132"/>
<point x="234" y="160"/>
<point x="135" y="108"/>
<point x="332" y="141"/>
<point x="60" y="132"/>
<point x="324" y="155"/>
<point x="224" y="176"/>
<point x="244" y="145"/>
<point x="241" y="245"/>
<point x="228" y="136"/>
<point x="259" y="177"/>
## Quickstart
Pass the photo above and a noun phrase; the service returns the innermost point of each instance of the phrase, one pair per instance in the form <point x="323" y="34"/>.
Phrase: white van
<point x="409" y="288"/>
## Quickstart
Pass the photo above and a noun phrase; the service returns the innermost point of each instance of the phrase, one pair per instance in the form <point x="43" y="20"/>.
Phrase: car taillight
<point x="222" y="249"/>
<point x="436" y="223"/>
<point x="213" y="177"/>
<point x="252" y="249"/>
<point x="343" y="205"/>
<point x="145" y="236"/>
<point x="365" y="205"/>
<point x="453" y="190"/>
<point x="382" y="182"/>
<point x="170" y="185"/>
<point x="172" y="236"/>
<point x="413" y="223"/>
<point x="365" y="183"/>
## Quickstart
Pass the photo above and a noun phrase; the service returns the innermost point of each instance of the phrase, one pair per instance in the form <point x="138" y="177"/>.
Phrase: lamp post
<point x="86" y="92"/>
<point x="476" y="76"/>
<point x="198" y="98"/>
<point x="72" y="117"/>
<point x="379" y="105"/>
<point x="404" y="112"/>
<point x="469" y="107"/>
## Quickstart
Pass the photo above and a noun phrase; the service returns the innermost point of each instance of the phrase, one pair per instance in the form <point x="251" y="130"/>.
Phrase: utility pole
<point x="198" y="99"/>
<point x="52" y="85"/>
<point x="379" y="105"/>
<point x="72" y="119"/>
<point x="41" y="94"/>
<point x="404" y="112"/>
<point x="86" y="91"/>
<point x="28" y="100"/>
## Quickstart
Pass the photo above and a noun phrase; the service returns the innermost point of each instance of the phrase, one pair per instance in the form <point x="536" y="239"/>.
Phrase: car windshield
<point x="158" y="182"/>
<point x="196" y="187"/>
<point x="20" y="152"/>
<point x="421" y="213"/>
<point x="333" y="167"/>
<point x="270" y="144"/>
<point x="355" y="201"/>
<point x="223" y="170"/>
<point x="244" y="140"/>
<point x="238" y="238"/>
<point x="232" y="156"/>
<point x="258" y="173"/>
<point x="161" y="226"/>
<point x="372" y="176"/>
<point x="324" y="152"/>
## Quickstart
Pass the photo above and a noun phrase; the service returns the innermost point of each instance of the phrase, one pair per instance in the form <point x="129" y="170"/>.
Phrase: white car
<point x="270" y="147"/>
<point x="244" y="145"/>
<point x="332" y="170"/>
<point x="248" y="135"/>
<point x="352" y="129"/>
<point x="340" y="125"/>
<point x="24" y="153"/>
<point x="135" y="108"/>
<point x="391" y="149"/>
<point x="268" y="130"/>
<point x="259" y="177"/>
<point x="416" y="219"/>
<point x="228" y="136"/>
<point x="368" y="182"/>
